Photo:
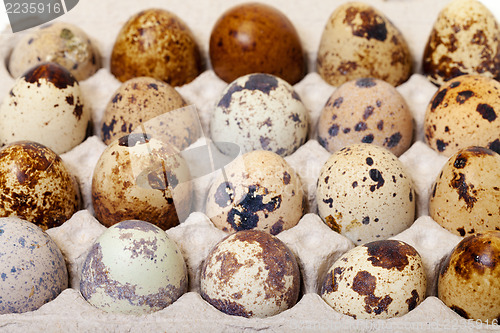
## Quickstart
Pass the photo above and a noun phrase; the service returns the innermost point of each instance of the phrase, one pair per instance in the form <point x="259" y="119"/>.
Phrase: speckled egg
<point x="365" y="194"/>
<point x="142" y="178"/>
<point x="366" y="110"/>
<point x="256" y="38"/>
<point x="250" y="274"/>
<point x="465" y="39"/>
<point x="158" y="44"/>
<point x="59" y="42"/>
<point x="260" y="112"/>
<point x="469" y="282"/>
<point x="260" y="191"/>
<point x="35" y="185"/>
<point x="378" y="280"/>
<point x="45" y="105"/>
<point x="133" y="268"/>
<point x="359" y="41"/>
<point x="464" y="113"/>
<point x="465" y="197"/>
<point x="32" y="269"/>
<point x="143" y="102"/>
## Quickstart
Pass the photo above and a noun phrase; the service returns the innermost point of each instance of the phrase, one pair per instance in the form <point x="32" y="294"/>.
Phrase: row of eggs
<point x="135" y="268"/>
<point x="358" y="41"/>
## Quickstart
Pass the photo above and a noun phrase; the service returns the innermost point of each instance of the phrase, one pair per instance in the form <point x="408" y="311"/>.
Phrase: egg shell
<point x="140" y="177"/>
<point x="465" y="39"/>
<point x="359" y="41"/>
<point x="381" y="279"/>
<point x="260" y="112"/>
<point x="365" y="194"/>
<point x="133" y="268"/>
<point x="142" y="103"/>
<point x="45" y="105"/>
<point x="260" y="190"/>
<point x="250" y="274"/>
<point x="466" y="195"/>
<point x="32" y="269"/>
<point x="256" y="38"/>
<point x="464" y="112"/>
<point x="469" y="282"/>
<point x="158" y="44"/>
<point x="59" y="42"/>
<point x="366" y="111"/>
<point x="36" y="185"/>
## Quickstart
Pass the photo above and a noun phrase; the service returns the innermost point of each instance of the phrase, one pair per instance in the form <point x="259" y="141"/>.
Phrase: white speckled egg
<point x="469" y="280"/>
<point x="133" y="268"/>
<point x="139" y="177"/>
<point x="380" y="279"/>
<point x="260" y="190"/>
<point x="45" y="105"/>
<point x="148" y="104"/>
<point x="464" y="112"/>
<point x="32" y="269"/>
<point x="364" y="193"/>
<point x="465" y="198"/>
<point x="36" y="185"/>
<point x="59" y="42"/>
<point x="465" y="39"/>
<point x="250" y="274"/>
<point x="359" y="41"/>
<point x="366" y="110"/>
<point x="260" y="112"/>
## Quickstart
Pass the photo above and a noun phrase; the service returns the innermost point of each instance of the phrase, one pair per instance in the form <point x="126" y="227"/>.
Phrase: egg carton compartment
<point x="314" y="244"/>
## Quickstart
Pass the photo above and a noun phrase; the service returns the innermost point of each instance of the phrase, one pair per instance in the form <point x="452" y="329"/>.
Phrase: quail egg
<point x="359" y="41"/>
<point x="36" y="185"/>
<point x="250" y="274"/>
<point x="158" y="44"/>
<point x="45" y="105"/>
<point x="464" y="113"/>
<point x="260" y="112"/>
<point x="140" y="177"/>
<point x="381" y="279"/>
<point x="260" y="190"/>
<point x="469" y="282"/>
<point x="133" y="268"/>
<point x="365" y="194"/>
<point x="366" y="110"/>
<point x="465" y="197"/>
<point x="59" y="42"/>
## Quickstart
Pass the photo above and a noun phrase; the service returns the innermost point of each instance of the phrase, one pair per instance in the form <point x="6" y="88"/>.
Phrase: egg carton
<point x="315" y="245"/>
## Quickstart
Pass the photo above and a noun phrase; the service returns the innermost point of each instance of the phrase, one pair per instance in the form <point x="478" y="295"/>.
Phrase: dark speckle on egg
<point x="389" y="254"/>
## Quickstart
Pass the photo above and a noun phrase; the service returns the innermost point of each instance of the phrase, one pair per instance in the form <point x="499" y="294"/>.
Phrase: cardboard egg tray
<point x="314" y="244"/>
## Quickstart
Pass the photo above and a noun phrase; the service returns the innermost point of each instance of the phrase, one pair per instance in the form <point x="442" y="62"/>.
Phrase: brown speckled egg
<point x="381" y="279"/>
<point x="359" y="41"/>
<point x="158" y="44"/>
<point x="465" y="39"/>
<point x="366" y="111"/>
<point x="260" y="190"/>
<point x="465" y="197"/>
<point x="59" y="42"/>
<point x="36" y="186"/>
<point x="365" y="194"/>
<point x="142" y="103"/>
<point x="464" y="112"/>
<point x="469" y="282"/>
<point x="142" y="178"/>
<point x="250" y="274"/>
<point x="256" y="38"/>
<point x="260" y="111"/>
<point x="45" y="105"/>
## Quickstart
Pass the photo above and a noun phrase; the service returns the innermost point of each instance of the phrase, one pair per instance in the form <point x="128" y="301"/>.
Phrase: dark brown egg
<point x="158" y="44"/>
<point x="36" y="186"/>
<point x="256" y="38"/>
